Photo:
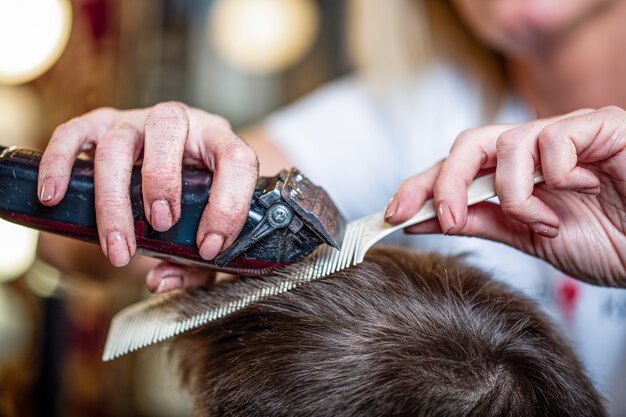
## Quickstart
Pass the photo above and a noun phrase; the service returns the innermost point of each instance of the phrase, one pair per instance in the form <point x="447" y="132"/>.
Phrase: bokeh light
<point x="263" y="36"/>
<point x="18" y="247"/>
<point x="20" y="116"/>
<point x="33" y="34"/>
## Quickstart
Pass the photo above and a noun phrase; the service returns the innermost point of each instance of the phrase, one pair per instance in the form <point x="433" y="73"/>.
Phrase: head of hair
<point x="400" y="334"/>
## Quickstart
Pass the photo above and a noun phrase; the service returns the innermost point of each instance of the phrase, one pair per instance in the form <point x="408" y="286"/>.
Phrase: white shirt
<point x="360" y="146"/>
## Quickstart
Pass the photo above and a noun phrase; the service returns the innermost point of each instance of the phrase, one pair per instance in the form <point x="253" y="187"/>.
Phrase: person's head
<point x="400" y="334"/>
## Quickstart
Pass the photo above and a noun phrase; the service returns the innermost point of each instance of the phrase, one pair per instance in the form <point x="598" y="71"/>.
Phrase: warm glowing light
<point x="43" y="279"/>
<point x="33" y="34"/>
<point x="17" y="249"/>
<point x="20" y="116"/>
<point x="263" y="36"/>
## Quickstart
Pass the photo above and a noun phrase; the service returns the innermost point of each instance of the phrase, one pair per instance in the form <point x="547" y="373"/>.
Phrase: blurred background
<point x="59" y="59"/>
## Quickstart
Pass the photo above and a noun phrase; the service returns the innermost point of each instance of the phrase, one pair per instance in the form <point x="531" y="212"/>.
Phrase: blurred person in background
<point x="425" y="71"/>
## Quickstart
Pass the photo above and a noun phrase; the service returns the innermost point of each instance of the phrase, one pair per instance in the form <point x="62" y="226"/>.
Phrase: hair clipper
<point x="289" y="216"/>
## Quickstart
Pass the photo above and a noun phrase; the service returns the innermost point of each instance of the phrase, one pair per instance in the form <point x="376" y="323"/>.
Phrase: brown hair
<point x="401" y="334"/>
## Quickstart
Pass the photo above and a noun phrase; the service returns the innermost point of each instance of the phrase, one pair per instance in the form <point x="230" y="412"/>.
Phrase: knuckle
<point x="162" y="166"/>
<point x="161" y="171"/>
<point x="220" y="123"/>
<point x="466" y="137"/>
<point x="444" y="192"/>
<point x="124" y="128"/>
<point x="172" y="105"/>
<point x="107" y="224"/>
<point x="103" y="112"/>
<point x="555" y="180"/>
<point x="170" y="109"/>
<point x="121" y="136"/>
<point x="152" y="174"/>
<point x="512" y="208"/>
<point x="175" y="105"/>
<point x="577" y="113"/>
<point x="169" y="114"/>
<point x="587" y="110"/>
<point x="239" y="153"/>
<point x="113" y="203"/>
<point x="547" y="135"/>
<point x="54" y="157"/>
<point x="106" y="153"/>
<point x="442" y="185"/>
<point x="553" y="137"/>
<point x="113" y="208"/>
<point x="509" y="140"/>
<point x="615" y="114"/>
<point x="239" y="211"/>
<point x="468" y="143"/>
<point x="117" y="140"/>
<point x="612" y="110"/>
<point x="55" y="163"/>
<point x="65" y="131"/>
<point x="408" y="186"/>
<point x="233" y="211"/>
<point x="156" y="183"/>
<point x="410" y="182"/>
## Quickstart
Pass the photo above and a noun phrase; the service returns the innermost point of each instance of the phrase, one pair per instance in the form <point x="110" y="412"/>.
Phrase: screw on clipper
<point x="277" y="216"/>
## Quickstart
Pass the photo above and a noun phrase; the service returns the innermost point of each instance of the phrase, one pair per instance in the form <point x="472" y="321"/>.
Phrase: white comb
<point x="160" y="317"/>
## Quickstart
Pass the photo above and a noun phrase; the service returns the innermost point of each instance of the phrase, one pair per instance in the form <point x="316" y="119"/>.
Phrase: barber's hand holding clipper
<point x="166" y="136"/>
<point x="576" y="220"/>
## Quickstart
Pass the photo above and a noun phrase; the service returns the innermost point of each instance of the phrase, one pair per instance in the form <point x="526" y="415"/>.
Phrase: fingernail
<point x="47" y="190"/>
<point x="161" y="215"/>
<point x="169" y="283"/>
<point x="211" y="246"/>
<point x="445" y="218"/>
<point x="590" y="191"/>
<point x="117" y="249"/>
<point x="544" y="230"/>
<point x="392" y="206"/>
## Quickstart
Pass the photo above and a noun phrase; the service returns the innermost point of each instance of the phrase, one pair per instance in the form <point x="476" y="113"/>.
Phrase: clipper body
<point x="289" y="216"/>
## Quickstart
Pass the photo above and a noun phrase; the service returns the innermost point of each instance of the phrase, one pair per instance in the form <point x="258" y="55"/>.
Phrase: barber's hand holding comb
<point x="576" y="220"/>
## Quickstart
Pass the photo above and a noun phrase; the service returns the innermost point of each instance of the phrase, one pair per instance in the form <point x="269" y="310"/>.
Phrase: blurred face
<point x="513" y="26"/>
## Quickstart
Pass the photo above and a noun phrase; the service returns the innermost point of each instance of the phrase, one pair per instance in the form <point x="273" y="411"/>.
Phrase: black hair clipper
<point x="289" y="216"/>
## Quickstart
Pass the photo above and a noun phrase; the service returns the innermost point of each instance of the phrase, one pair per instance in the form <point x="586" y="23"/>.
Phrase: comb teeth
<point x="340" y="259"/>
<point x="159" y="318"/>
